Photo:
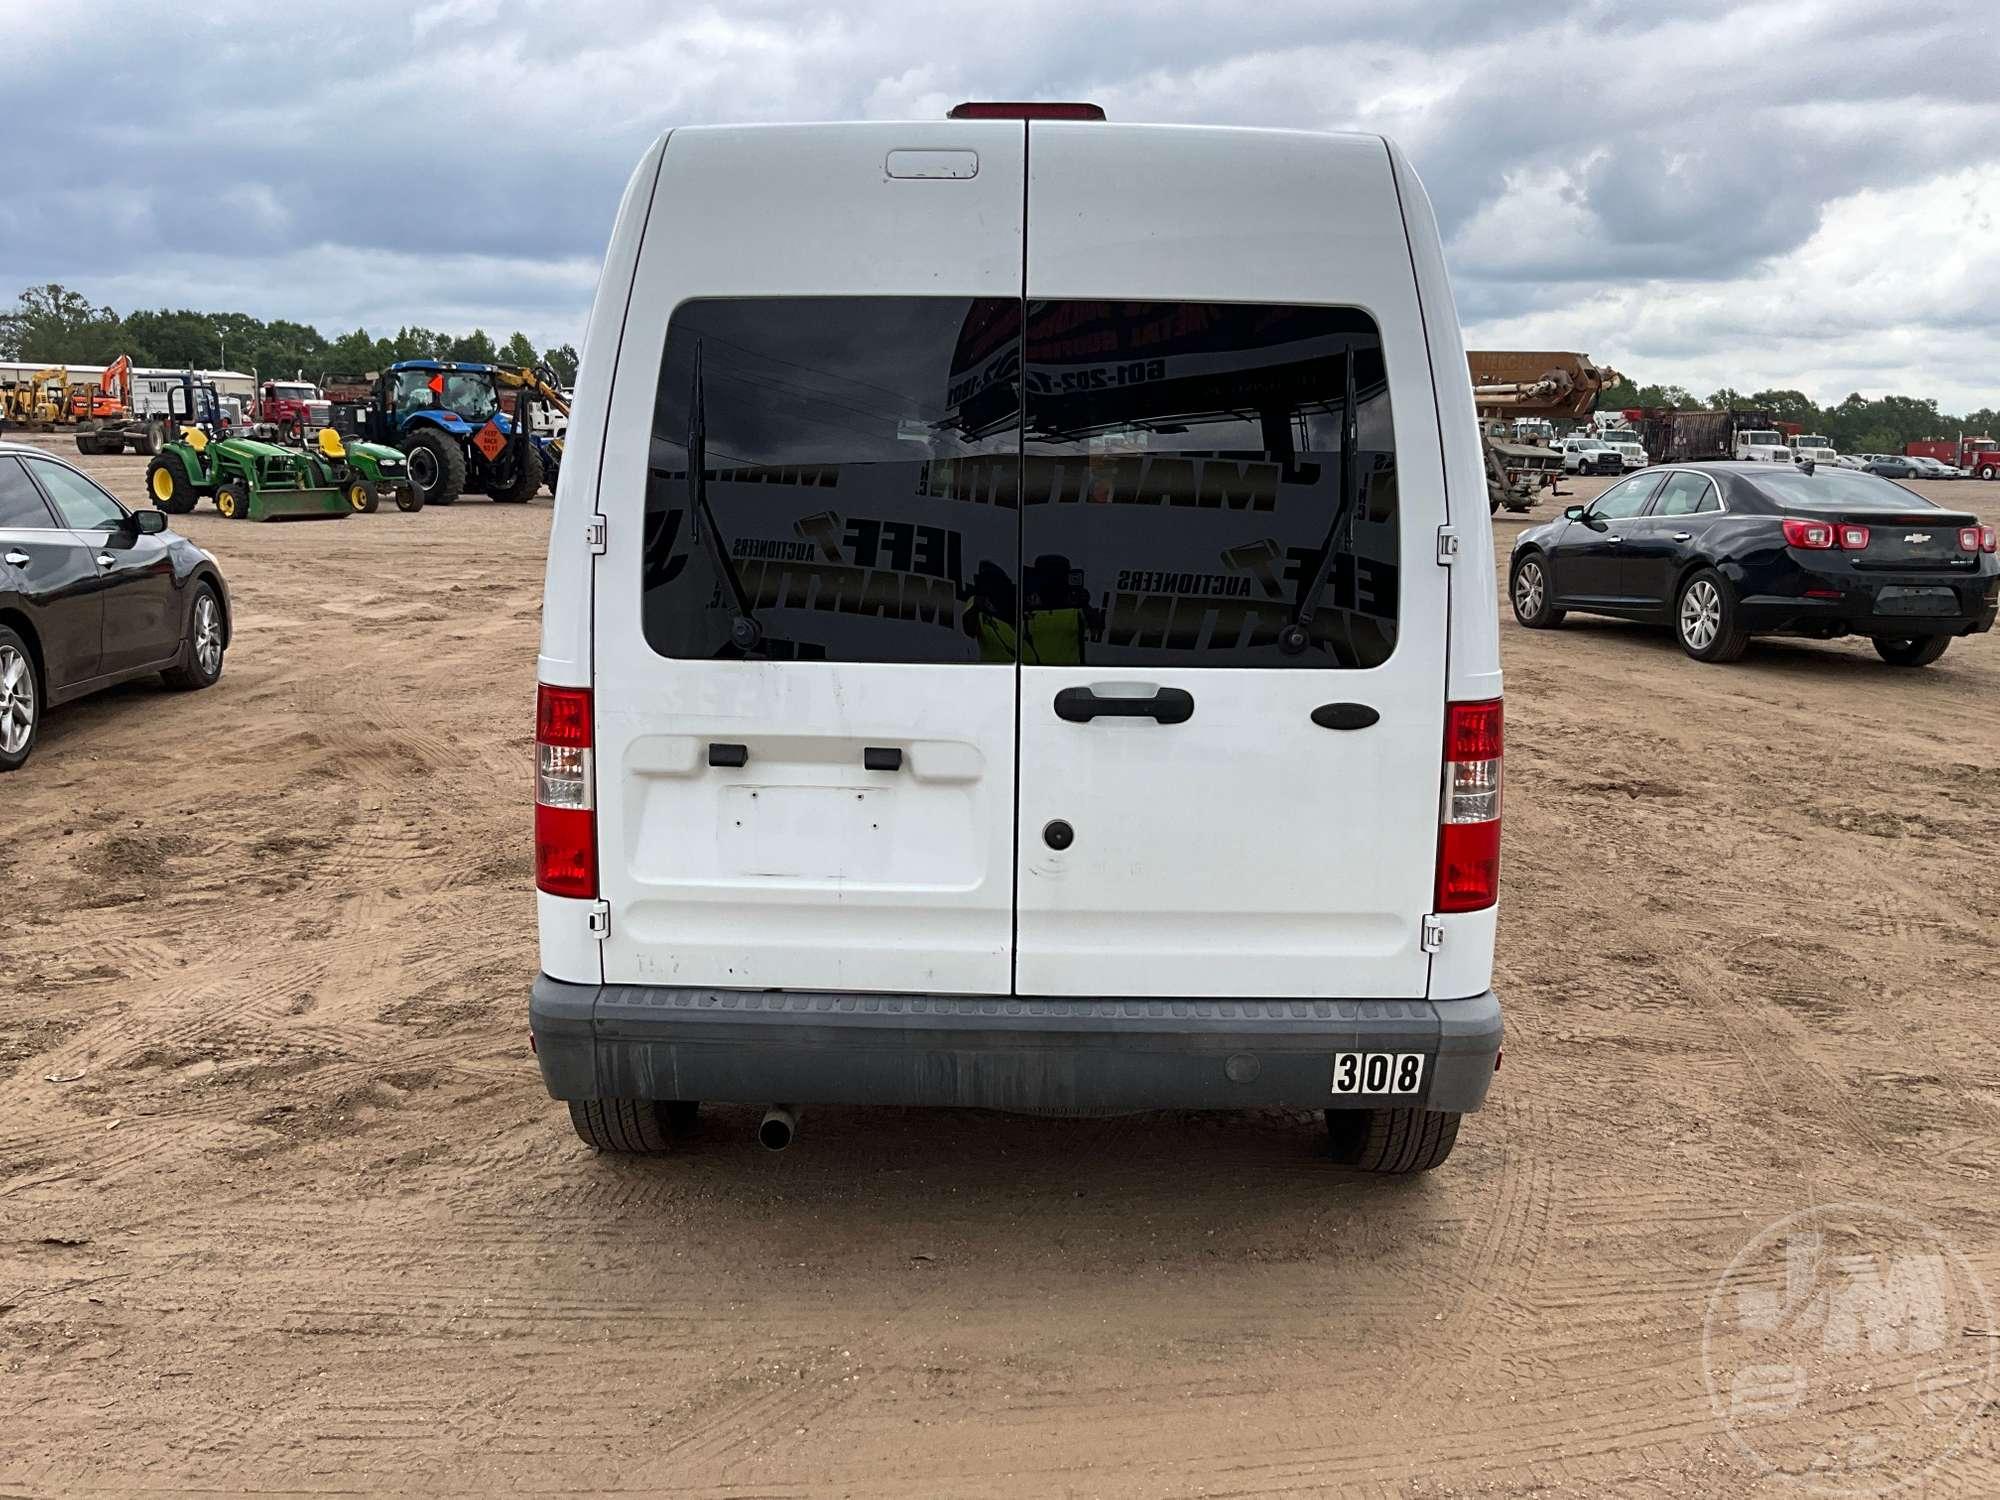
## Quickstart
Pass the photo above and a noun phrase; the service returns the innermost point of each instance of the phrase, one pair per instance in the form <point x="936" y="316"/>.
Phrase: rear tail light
<point x="1468" y="866"/>
<point x="1853" y="538"/>
<point x="1814" y="536"/>
<point x="1975" y="538"/>
<point x="565" y="807"/>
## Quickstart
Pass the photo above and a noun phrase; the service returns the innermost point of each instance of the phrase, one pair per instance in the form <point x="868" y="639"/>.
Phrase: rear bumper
<point x="1855" y="614"/>
<point x="996" y="1052"/>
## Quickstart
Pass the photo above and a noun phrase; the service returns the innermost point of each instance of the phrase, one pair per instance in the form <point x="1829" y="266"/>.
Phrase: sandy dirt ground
<point x="283" y="1207"/>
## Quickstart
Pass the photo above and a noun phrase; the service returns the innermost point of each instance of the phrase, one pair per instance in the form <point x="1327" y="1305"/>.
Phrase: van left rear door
<point x="804" y="657"/>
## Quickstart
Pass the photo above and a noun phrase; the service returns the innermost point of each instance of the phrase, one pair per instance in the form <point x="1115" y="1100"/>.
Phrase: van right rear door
<point x="1229" y="398"/>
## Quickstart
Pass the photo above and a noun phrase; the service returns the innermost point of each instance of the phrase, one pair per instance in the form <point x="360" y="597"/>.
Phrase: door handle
<point x="105" y="559"/>
<point x="1681" y="536"/>
<point x="1079" y="705"/>
<point x="1345" y="716"/>
<point x="18" y="559"/>
<point x="1612" y="536"/>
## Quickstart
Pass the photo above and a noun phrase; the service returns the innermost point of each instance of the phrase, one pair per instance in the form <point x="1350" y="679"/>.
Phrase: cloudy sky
<point x="1795" y="193"/>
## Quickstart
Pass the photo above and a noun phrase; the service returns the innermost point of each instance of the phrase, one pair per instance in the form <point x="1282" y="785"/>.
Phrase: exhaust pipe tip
<point x="776" y="1129"/>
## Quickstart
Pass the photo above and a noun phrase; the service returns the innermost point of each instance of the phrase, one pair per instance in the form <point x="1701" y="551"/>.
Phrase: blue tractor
<point x="446" y="416"/>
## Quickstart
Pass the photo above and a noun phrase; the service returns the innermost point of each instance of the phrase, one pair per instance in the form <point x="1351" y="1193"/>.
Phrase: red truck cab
<point x="294" y="407"/>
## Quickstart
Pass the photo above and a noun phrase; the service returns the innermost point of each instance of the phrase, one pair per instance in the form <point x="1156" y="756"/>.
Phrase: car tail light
<point x="565" y="807"/>
<point x="1989" y="539"/>
<point x="995" y="109"/>
<point x="1468" y="866"/>
<point x="1853" y="538"/>
<point x="1814" y="536"/>
<point x="1975" y="539"/>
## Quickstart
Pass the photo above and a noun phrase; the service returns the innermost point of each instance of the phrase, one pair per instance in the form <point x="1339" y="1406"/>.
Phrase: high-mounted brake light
<point x="1813" y="536"/>
<point x="565" y="806"/>
<point x="996" y="109"/>
<point x="1468" y="865"/>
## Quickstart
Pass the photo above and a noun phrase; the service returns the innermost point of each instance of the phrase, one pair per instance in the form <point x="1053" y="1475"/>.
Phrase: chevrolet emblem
<point x="1917" y="538"/>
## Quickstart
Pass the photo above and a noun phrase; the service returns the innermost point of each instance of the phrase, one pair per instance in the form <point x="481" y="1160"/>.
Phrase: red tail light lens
<point x="565" y="802"/>
<point x="1853" y="538"/>
<point x="1814" y="536"/>
<point x="1468" y="867"/>
<point x="1975" y="538"/>
<point x="1989" y="539"/>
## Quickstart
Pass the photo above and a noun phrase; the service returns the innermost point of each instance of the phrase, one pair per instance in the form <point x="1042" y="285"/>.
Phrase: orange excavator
<point x="108" y="398"/>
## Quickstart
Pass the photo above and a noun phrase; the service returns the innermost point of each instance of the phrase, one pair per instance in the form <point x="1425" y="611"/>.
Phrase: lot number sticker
<point x="1378" y="1072"/>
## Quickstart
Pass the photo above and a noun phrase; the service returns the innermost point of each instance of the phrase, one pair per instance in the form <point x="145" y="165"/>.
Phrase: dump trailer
<point x="1509" y="386"/>
<point x="1682" y="437"/>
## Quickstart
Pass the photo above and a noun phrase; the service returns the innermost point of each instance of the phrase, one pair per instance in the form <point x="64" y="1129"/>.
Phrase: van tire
<point x="1394" y="1142"/>
<point x="624" y="1125"/>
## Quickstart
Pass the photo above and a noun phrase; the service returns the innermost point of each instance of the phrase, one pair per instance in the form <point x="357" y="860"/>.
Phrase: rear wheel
<point x="1395" y="1142"/>
<point x="20" y="702"/>
<point x="525" y="482"/>
<point x="232" y="499"/>
<point x="1911" y="650"/>
<point x="1530" y="591"/>
<point x="362" y="495"/>
<point x="437" y="467"/>
<point x="1705" y="618"/>
<point x="624" y="1125"/>
<point x="407" y="498"/>
<point x="167" y="482"/>
<point x="156" y="437"/>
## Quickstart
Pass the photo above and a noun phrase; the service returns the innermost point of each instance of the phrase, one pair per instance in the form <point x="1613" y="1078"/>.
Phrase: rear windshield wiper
<point x="744" y="631"/>
<point x="1295" y="637"/>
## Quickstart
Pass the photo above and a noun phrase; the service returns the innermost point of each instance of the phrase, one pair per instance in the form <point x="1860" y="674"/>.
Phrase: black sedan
<point x="92" y="594"/>
<point x="1725" y="551"/>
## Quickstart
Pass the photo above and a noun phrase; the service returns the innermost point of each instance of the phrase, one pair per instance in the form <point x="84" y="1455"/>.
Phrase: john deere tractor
<point x="445" y="416"/>
<point x="248" y="480"/>
<point x="364" y="472"/>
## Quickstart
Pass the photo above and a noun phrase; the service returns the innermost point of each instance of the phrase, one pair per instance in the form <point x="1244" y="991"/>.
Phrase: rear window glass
<point x="1828" y="488"/>
<point x="855" y="490"/>
<point x="867" y="484"/>
<point x="1188" y="469"/>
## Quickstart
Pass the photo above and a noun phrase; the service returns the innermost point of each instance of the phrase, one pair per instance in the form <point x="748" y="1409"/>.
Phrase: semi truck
<point x="1979" y="457"/>
<point x="1679" y="437"/>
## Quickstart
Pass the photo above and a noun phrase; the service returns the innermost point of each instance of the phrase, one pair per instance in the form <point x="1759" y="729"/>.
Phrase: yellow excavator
<point x="538" y="384"/>
<point x="40" y="400"/>
<point x="1509" y="385"/>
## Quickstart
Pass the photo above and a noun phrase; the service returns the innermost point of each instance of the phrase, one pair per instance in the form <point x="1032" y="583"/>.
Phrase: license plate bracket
<point x="1899" y="600"/>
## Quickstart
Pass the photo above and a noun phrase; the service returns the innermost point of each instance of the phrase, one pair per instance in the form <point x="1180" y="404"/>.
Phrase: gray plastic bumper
<point x="996" y="1052"/>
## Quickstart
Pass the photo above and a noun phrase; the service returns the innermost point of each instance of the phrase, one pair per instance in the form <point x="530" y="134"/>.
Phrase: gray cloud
<point x="452" y="161"/>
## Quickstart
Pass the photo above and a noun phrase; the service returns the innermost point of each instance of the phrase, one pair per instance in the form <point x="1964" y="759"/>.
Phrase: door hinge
<point x="600" y="920"/>
<point x="595" y="534"/>
<point x="1447" y="546"/>
<point x="1433" y="934"/>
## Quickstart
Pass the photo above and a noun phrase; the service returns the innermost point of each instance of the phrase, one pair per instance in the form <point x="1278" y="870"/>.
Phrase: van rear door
<point x="804" y="659"/>
<point x="1229" y="410"/>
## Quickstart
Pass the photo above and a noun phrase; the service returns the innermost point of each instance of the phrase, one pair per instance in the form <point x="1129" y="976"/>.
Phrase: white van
<point x="1020" y="633"/>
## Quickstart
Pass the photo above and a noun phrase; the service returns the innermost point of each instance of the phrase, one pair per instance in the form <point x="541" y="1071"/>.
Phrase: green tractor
<point x="249" y="480"/>
<point x="364" y="472"/>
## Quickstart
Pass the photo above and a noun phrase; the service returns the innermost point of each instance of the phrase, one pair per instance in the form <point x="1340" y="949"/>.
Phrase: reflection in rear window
<point x="1838" y="489"/>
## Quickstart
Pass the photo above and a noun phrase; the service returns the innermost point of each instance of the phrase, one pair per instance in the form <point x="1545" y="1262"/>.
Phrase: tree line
<point x="1855" y="425"/>
<point x="53" y="325"/>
